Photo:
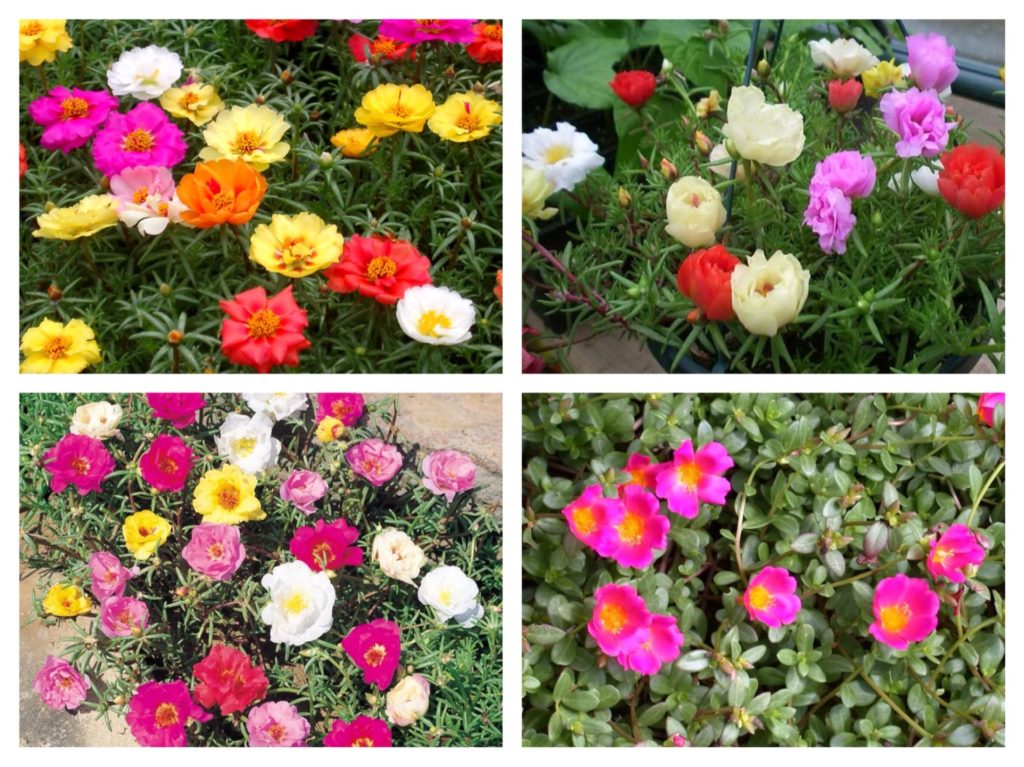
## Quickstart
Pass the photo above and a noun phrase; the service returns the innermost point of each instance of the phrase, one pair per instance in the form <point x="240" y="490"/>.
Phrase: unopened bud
<point x="449" y="72"/>
<point x="165" y="289"/>
<point x="478" y="87"/>
<point x="625" y="198"/>
<point x="466" y="223"/>
<point x="668" y="170"/>
<point x="643" y="162"/>
<point x="876" y="539"/>
<point x="314" y="114"/>
<point x="703" y="143"/>
<point x="667" y="67"/>
<point x="182" y="591"/>
<point x="55" y="293"/>
<point x="261" y="99"/>
<point x="175" y="337"/>
<point x="105" y="182"/>
<point x="50" y="205"/>
<point x="326" y="160"/>
<point x="286" y="77"/>
<point x="764" y="69"/>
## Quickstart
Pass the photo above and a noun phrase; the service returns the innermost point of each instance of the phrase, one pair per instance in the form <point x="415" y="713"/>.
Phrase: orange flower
<point x="497" y="287"/>
<point x="221" y="192"/>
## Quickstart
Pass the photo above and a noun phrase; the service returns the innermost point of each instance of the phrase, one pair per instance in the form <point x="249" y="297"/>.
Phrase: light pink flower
<point x="303" y="488"/>
<point x="771" y="597"/>
<point x="123" y="616"/>
<point x="661" y="644"/>
<point x="693" y="478"/>
<point x="447" y="472"/>
<point x="146" y="198"/>
<point x="932" y="61"/>
<point x="850" y="172"/>
<point x="374" y="460"/>
<point x="633" y="540"/>
<point x="109" y="576"/>
<point x="276" y="723"/>
<point x="620" y="620"/>
<point x="955" y="550"/>
<point x="215" y="551"/>
<point x="60" y="685"/>
<point x="829" y="214"/>
<point x="919" y="119"/>
<point x="906" y="610"/>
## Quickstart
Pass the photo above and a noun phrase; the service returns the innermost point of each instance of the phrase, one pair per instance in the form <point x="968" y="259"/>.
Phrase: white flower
<point x="300" y="606"/>
<point x="536" y="190"/>
<point x="925" y="178"/>
<point x="770" y="134"/>
<point x="408" y="700"/>
<point x="452" y="594"/>
<point x="721" y="161"/>
<point x="695" y="211"/>
<point x="397" y="555"/>
<point x="98" y="420"/>
<point x="769" y="293"/>
<point x="435" y="315"/>
<point x="278" y="406"/>
<point x="846" y="58"/>
<point x="565" y="155"/>
<point x="246" y="442"/>
<point x="153" y="215"/>
<point x="144" y="73"/>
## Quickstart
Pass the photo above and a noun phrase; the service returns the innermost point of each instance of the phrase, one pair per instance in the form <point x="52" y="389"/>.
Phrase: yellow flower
<point x="144" y="532"/>
<point x="881" y="76"/>
<point x="227" y="496"/>
<point x="53" y="347"/>
<point x="41" y="40"/>
<point x="708" y="104"/>
<point x="195" y="101"/>
<point x="83" y="219"/>
<point x="355" y="142"/>
<point x="329" y="429"/>
<point x="465" y="117"/>
<point x="295" y="246"/>
<point x="389" y="108"/>
<point x="251" y="133"/>
<point x="66" y="600"/>
<point x="536" y="190"/>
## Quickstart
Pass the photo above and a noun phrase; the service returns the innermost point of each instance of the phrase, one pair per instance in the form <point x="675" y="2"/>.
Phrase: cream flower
<point x="536" y="190"/>
<point x="397" y="555"/>
<point x="769" y="293"/>
<point x="695" y="211"/>
<point x="770" y="134"/>
<point x="246" y="442"/>
<point x="435" y="315"/>
<point x="98" y="420"/>
<point x="452" y="595"/>
<point x="251" y="133"/>
<point x="144" y="73"/>
<point x="300" y="606"/>
<point x="565" y="155"/>
<point x="720" y="162"/>
<point x="278" y="406"/>
<point x="408" y="700"/>
<point x="846" y="58"/>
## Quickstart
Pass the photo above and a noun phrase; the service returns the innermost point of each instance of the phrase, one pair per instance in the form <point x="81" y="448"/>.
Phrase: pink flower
<point x="327" y="547"/>
<point x="850" y="172"/>
<point x="179" y="409"/>
<point x="919" y="119"/>
<point x="147" y="198"/>
<point x="362" y="731"/>
<point x="906" y="610"/>
<point x="159" y="712"/>
<point x="109" y="576"/>
<point x="421" y="30"/>
<point x="123" y="616"/>
<point x="375" y="461"/>
<point x="447" y="472"/>
<point x="144" y="136"/>
<point x="70" y="117"/>
<point x="167" y="463"/>
<point x="620" y="620"/>
<point x="591" y="514"/>
<point x="660" y="644"/>
<point x="694" y="478"/>
<point x="987" y="406"/>
<point x="80" y="461"/>
<point x="955" y="549"/>
<point x="375" y="647"/>
<point x="932" y="61"/>
<point x="679" y="741"/>
<point x="303" y="488"/>
<point x="347" y="408"/>
<point x="215" y="551"/>
<point x="276" y="723"/>
<point x="642" y="471"/>
<point x="643" y="528"/>
<point x="771" y="597"/>
<point x="60" y="685"/>
<point x="829" y="214"/>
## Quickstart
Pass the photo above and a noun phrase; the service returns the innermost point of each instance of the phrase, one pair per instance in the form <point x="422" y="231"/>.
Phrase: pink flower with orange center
<point x="591" y="514"/>
<point x="642" y="470"/>
<point x="987" y="406"/>
<point x="661" y="644"/>
<point x="954" y="551"/>
<point x="123" y="616"/>
<point x="620" y="621"/>
<point x="771" y="597"/>
<point x="693" y="478"/>
<point x="643" y="528"/>
<point x="906" y="610"/>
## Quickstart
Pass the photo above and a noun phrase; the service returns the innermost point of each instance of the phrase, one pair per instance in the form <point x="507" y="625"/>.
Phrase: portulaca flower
<point x="300" y="606"/>
<point x="565" y="155"/>
<point x="408" y="700"/>
<point x="925" y="178"/>
<point x="695" y="212"/>
<point x="144" y="73"/>
<point x="246" y="442"/>
<point x="98" y="420"/>
<point x="721" y="162"/>
<point x="846" y="58"/>
<point x="772" y="134"/>
<point x="278" y="406"/>
<point x="769" y="293"/>
<point x="451" y="594"/>
<point x="397" y="555"/>
<point x="435" y="315"/>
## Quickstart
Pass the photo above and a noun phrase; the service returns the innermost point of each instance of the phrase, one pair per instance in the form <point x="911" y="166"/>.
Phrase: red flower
<point x="167" y="463"/>
<point x="375" y="647"/>
<point x="843" y="95"/>
<point x="973" y="179"/>
<point x="705" y="278"/>
<point x="634" y="86"/>
<point x="22" y="162"/>
<point x="361" y="731"/>
<point x="283" y="30"/>
<point x="364" y="49"/>
<point x="486" y="47"/>
<point x="261" y="332"/>
<point x="227" y="678"/>
<point x="326" y="547"/>
<point x="378" y="267"/>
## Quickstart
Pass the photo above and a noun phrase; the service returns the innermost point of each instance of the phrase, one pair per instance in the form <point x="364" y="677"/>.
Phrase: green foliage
<point x="818" y="480"/>
<point x="188" y="611"/>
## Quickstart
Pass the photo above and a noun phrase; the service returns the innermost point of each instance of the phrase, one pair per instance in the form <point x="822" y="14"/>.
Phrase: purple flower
<point x="303" y="488"/>
<point x="919" y="118"/>
<point x="932" y="61"/>
<point x="850" y="172"/>
<point x="829" y="214"/>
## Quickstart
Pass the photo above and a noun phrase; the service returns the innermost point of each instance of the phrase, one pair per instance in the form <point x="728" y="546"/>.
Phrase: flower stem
<point x="895" y="707"/>
<point x="984" y="489"/>
<point x="741" y="505"/>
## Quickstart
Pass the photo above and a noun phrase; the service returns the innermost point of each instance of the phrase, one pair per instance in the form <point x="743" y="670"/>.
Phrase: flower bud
<point x="286" y="77"/>
<point x="449" y="73"/>
<point x="261" y="99"/>
<point x="703" y="143"/>
<point x="668" y="169"/>
<point x="165" y="289"/>
<point x="175" y="337"/>
<point x="314" y="114"/>
<point x="763" y="69"/>
<point x="50" y="205"/>
<point x="478" y="87"/>
<point x="625" y="198"/>
<point x="326" y="160"/>
<point x="54" y="292"/>
<point x="876" y="539"/>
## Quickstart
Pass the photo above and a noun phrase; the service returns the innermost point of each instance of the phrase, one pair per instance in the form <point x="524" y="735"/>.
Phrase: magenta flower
<point x="693" y="478"/>
<point x="123" y="616"/>
<point x="375" y="647"/>
<point x="919" y="119"/>
<point x="771" y="597"/>
<point x="60" y="685"/>
<point x="362" y="731"/>
<point x="679" y="741"/>
<point x="167" y="463"/>
<point x="347" y="408"/>
<point x="303" y="488"/>
<point x="80" y="461"/>
<point x="662" y="644"/>
<point x="829" y="214"/>
<point x="906" y="610"/>
<point x="276" y="723"/>
<point x="159" y="712"/>
<point x="591" y="514"/>
<point x="144" y="136"/>
<point x="215" y="551"/>
<point x="956" y="549"/>
<point x="327" y="547"/>
<point x="70" y="117"/>
<point x="620" y="620"/>
<point x="850" y="172"/>
<point x="932" y="61"/>
<point x="179" y="409"/>
<point x="643" y="528"/>
<point x="987" y="404"/>
<point x="374" y="460"/>
<point x="447" y="472"/>
<point x="642" y="471"/>
<point x="109" y="576"/>
<point x="422" y="30"/>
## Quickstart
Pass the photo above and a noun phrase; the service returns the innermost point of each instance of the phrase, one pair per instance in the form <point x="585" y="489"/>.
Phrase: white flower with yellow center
<point x="278" y="405"/>
<point x="451" y="594"/>
<point x="246" y="442"/>
<point x="98" y="420"/>
<point x="301" y="603"/>
<point x="435" y="315"/>
<point x="565" y="155"/>
<point x="251" y="133"/>
<point x="144" y="73"/>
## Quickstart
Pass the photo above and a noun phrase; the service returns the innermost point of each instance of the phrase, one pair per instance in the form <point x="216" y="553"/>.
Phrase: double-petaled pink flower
<point x="640" y="531"/>
<point x="375" y="647"/>
<point x="695" y="478"/>
<point x="919" y="119"/>
<point x="215" y="551"/>
<point x="159" y="712"/>
<point x="363" y="731"/>
<point x="447" y="472"/>
<point x="123" y="616"/>
<point x="109" y="576"/>
<point x="144" y="136"/>
<point x="70" y="117"/>
<point x="771" y="597"/>
<point x="60" y="685"/>
<point x="303" y="489"/>
<point x="954" y="551"/>
<point x="276" y="723"/>
<point x="327" y="546"/>
<point x="179" y="409"/>
<point x="906" y="610"/>
<point x="167" y="463"/>
<point x="346" y="407"/>
<point x="374" y="460"/>
<point x="80" y="461"/>
<point x="591" y="514"/>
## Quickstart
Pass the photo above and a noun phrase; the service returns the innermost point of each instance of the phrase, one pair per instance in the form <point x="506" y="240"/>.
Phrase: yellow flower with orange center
<point x="252" y="134"/>
<point x="227" y="497"/>
<point x="66" y="600"/>
<point x="195" y="102"/>
<point x="465" y="117"/>
<point x="355" y="142"/>
<point x="883" y="75"/>
<point x="41" y="40"/>
<point x="53" y="347"/>
<point x="144" y="532"/>
<point x="295" y="246"/>
<point x="83" y="219"/>
<point x="329" y="429"/>
<point x="390" y="108"/>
